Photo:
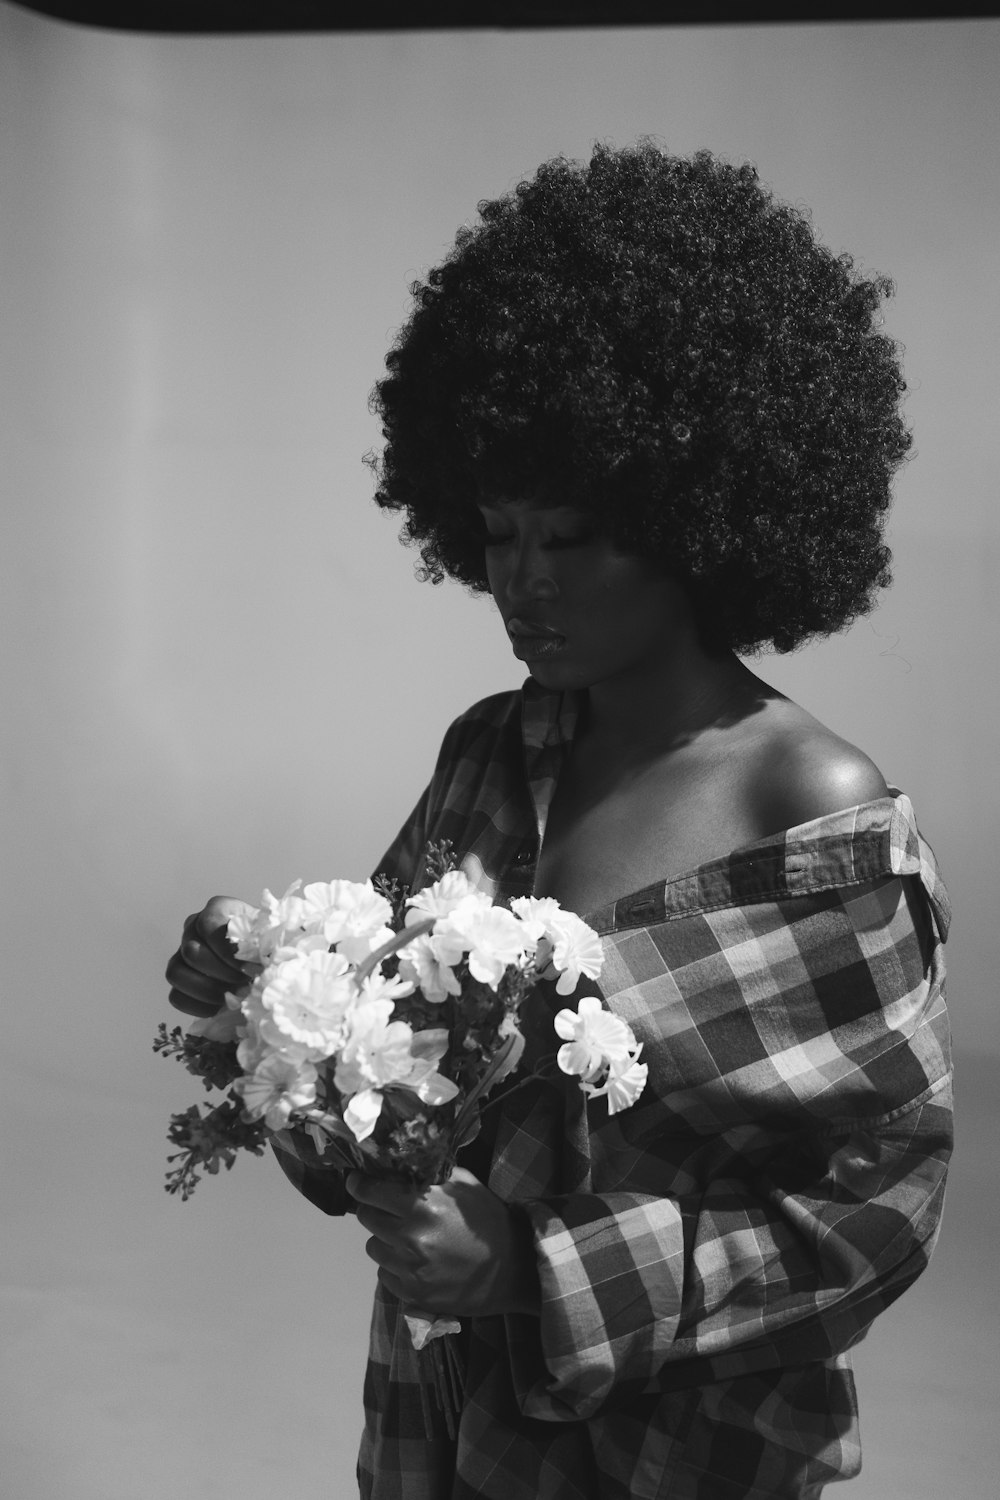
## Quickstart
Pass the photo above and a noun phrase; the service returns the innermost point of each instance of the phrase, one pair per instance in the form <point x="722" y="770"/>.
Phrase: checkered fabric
<point x="707" y="1257"/>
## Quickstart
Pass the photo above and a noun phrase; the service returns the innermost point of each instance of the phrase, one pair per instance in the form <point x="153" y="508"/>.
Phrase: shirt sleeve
<point x="782" y="1184"/>
<point x="321" y="1184"/>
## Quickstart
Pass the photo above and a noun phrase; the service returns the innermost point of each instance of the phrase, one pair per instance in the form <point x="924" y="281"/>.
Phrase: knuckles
<point x="200" y="956"/>
<point x="213" y="920"/>
<point x="188" y="1006"/>
<point x="193" y="971"/>
<point x="174" y="963"/>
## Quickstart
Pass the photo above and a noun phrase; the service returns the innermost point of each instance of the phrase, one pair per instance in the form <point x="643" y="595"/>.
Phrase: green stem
<point x="397" y="941"/>
<point x="540" y="1070"/>
<point x="543" y="1069"/>
<point x="479" y="1089"/>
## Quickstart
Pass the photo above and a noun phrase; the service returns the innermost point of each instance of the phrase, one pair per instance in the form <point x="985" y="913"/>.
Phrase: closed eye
<point x="554" y="544"/>
<point x="581" y="539"/>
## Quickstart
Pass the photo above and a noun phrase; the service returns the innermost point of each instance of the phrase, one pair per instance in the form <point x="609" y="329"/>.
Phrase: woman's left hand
<point x="453" y="1249"/>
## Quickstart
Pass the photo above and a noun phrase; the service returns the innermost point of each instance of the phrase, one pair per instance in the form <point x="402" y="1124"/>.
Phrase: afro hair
<point x="658" y="343"/>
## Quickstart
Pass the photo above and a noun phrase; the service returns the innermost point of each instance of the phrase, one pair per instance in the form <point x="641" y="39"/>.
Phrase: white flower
<point x="380" y="1053"/>
<point x="441" y="898"/>
<point x="600" y="1049"/>
<point x="423" y="1327"/>
<point x="224" y="1026"/>
<point x="308" y="995"/>
<point x="429" y="962"/>
<point x="253" y="1047"/>
<point x="377" y="1050"/>
<point x="350" y="914"/>
<point x="594" y="1037"/>
<point x="347" y="914"/>
<point x="362" y="1112"/>
<point x="243" y="930"/>
<point x="276" y="1087"/>
<point x="623" y="1085"/>
<point x="258" y="933"/>
<point x="493" y="938"/>
<point x="509" y="1028"/>
<point x="575" y="948"/>
<point x="260" y="1037"/>
<point x="379" y="986"/>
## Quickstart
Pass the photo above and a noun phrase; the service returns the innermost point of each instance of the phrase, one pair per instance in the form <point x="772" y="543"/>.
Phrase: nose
<point x="528" y="576"/>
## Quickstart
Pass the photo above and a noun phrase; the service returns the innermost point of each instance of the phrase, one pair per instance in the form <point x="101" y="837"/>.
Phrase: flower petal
<point x="624" y="1088"/>
<point x="576" y="1059"/>
<point x="361" y="1114"/>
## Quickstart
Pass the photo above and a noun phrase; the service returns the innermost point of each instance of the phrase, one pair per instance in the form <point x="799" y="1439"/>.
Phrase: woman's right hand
<point x="204" y="968"/>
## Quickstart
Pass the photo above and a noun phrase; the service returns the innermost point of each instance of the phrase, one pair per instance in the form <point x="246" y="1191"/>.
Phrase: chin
<point x="558" y="676"/>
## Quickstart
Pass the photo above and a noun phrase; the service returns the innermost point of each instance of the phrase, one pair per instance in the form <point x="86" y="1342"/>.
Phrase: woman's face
<point x="578" y="612"/>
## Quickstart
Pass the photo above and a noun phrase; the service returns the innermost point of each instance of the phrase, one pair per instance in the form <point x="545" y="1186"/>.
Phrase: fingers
<point x="205" y="968"/>
<point x="199" y="954"/>
<point x="385" y="1210"/>
<point x="402" y="1269"/>
<point x="189" y="1006"/>
<point x="194" y="992"/>
<point x="401" y="1258"/>
<point x="394" y="1245"/>
<point x="400" y="1197"/>
<point x="396" y="1199"/>
<point x="468" y="1179"/>
<point x="208" y="928"/>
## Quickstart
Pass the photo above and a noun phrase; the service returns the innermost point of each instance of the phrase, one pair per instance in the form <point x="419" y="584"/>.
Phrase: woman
<point x="654" y="418"/>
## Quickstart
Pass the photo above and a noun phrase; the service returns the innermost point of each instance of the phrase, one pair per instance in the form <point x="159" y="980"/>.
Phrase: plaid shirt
<point x="708" y="1256"/>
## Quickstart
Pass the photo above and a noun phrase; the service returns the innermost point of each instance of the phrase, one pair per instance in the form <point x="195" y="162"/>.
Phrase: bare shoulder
<point x="807" y="771"/>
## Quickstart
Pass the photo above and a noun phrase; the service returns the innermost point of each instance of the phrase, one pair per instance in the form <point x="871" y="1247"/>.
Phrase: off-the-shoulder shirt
<point x="708" y="1257"/>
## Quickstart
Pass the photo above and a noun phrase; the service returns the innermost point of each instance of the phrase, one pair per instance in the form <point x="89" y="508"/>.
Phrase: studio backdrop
<point x="221" y="673"/>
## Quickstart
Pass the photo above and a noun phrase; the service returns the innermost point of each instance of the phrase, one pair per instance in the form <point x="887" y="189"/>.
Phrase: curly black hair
<point x="658" y="343"/>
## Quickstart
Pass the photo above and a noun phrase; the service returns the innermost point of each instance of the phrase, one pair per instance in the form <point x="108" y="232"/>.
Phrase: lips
<point x="531" y="639"/>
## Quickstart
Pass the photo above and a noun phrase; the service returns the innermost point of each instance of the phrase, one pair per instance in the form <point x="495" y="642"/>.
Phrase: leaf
<point x="492" y="1074"/>
<point x="430" y="1044"/>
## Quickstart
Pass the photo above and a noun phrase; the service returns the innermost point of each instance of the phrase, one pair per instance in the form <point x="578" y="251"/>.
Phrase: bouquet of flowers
<point x="375" y="1023"/>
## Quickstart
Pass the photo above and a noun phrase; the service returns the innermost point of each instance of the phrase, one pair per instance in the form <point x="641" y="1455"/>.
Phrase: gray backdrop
<point x="221" y="673"/>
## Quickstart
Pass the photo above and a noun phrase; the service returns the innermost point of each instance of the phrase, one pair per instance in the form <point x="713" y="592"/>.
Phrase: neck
<point x="671" y="703"/>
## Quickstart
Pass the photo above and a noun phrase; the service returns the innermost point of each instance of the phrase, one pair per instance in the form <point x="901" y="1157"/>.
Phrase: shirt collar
<point x="548" y="724"/>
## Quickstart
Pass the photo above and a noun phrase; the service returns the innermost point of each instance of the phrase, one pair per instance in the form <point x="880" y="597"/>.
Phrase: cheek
<point x="625" y="583"/>
<point x="639" y="608"/>
<point x="493" y="568"/>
